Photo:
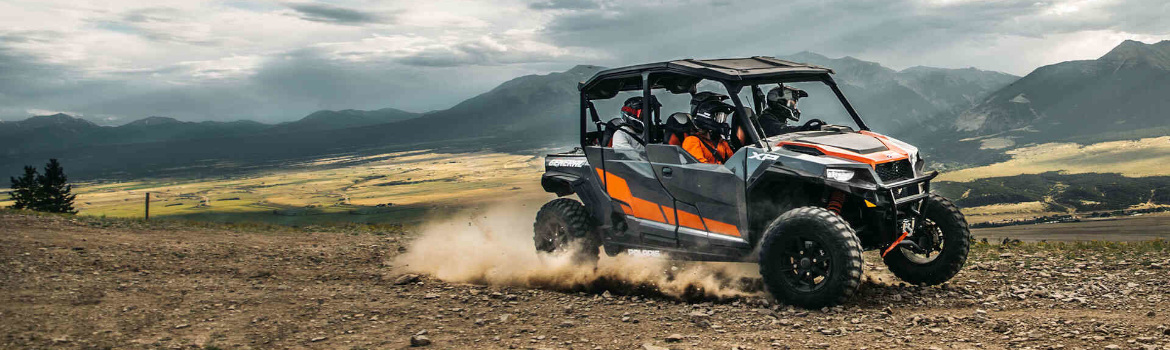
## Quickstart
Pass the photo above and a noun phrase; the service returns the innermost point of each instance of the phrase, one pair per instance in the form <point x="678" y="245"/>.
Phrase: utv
<point x="803" y="204"/>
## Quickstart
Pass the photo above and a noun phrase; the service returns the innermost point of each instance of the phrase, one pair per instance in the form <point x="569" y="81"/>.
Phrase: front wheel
<point x="943" y="240"/>
<point x="563" y="226"/>
<point x="810" y="257"/>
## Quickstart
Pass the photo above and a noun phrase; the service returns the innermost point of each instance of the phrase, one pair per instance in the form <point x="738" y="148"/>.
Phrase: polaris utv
<point x="803" y="204"/>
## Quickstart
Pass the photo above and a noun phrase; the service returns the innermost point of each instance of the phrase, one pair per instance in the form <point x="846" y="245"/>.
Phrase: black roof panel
<point x="679" y="76"/>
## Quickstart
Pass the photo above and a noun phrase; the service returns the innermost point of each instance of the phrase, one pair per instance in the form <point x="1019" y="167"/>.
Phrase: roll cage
<point x="683" y="76"/>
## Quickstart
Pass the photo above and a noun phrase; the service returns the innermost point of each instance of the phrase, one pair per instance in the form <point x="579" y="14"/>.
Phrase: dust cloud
<point x="494" y="247"/>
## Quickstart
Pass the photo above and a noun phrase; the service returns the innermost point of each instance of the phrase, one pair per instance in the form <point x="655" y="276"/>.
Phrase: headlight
<point x="842" y="175"/>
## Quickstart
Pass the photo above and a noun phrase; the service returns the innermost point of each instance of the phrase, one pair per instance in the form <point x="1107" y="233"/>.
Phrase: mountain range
<point x="63" y="132"/>
<point x="893" y="101"/>
<point x="962" y="115"/>
<point x="1121" y="95"/>
<point x="1125" y="89"/>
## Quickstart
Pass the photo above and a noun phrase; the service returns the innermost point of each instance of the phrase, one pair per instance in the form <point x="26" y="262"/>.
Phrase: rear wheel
<point x="562" y="227"/>
<point x="943" y="238"/>
<point x="810" y="257"/>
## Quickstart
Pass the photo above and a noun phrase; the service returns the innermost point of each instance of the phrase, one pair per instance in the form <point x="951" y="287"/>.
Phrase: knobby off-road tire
<point x="806" y="241"/>
<point x="563" y="226"/>
<point x="956" y="241"/>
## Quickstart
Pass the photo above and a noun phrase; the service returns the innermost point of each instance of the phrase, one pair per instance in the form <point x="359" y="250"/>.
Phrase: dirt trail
<point x="73" y="284"/>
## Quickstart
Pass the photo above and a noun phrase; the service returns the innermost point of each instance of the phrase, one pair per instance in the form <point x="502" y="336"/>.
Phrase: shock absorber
<point x="836" y="201"/>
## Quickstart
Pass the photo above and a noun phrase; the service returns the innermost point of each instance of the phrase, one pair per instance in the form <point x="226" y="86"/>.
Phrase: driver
<point x="707" y="143"/>
<point x="781" y="108"/>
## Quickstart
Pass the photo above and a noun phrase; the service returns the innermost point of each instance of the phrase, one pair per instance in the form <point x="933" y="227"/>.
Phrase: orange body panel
<point x="690" y="220"/>
<point x="619" y="189"/>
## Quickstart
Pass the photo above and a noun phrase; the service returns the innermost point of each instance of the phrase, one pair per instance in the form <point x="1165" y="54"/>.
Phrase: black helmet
<point x="711" y="115"/>
<point x="704" y="98"/>
<point x="632" y="108"/>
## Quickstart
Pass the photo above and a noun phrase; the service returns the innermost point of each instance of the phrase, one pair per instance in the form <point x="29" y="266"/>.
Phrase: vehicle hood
<point x="849" y="141"/>
<point x="864" y="146"/>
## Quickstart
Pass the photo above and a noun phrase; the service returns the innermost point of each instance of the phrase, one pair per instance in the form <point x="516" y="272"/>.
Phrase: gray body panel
<point x="654" y="192"/>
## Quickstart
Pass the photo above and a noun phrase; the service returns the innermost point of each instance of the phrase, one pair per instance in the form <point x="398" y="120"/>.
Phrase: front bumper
<point x="902" y="200"/>
<point x="907" y="191"/>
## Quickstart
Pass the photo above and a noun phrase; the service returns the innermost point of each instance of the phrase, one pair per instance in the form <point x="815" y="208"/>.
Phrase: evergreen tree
<point x="55" y="191"/>
<point x="25" y="190"/>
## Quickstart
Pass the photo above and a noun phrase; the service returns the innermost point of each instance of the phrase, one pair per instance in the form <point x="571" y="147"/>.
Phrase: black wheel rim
<point x="554" y="237"/>
<point x="809" y="264"/>
<point x="929" y="237"/>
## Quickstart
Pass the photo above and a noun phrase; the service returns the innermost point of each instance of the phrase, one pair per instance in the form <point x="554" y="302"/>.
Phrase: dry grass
<point x="408" y="185"/>
<point x="1145" y="157"/>
<point x="996" y="212"/>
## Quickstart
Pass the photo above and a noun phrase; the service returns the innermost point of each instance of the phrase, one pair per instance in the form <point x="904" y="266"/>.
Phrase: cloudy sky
<point x="120" y="60"/>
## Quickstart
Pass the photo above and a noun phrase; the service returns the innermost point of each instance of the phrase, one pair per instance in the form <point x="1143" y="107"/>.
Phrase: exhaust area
<point x="494" y="247"/>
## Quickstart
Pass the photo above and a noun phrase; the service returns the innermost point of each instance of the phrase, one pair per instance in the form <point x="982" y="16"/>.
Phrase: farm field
<point x="1144" y="157"/>
<point x="400" y="188"/>
<point x="1125" y="229"/>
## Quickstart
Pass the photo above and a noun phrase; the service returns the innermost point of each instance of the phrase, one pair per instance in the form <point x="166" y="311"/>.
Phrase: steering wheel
<point x="813" y="124"/>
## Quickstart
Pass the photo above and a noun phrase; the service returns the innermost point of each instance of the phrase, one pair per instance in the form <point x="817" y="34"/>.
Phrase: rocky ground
<point x="87" y="283"/>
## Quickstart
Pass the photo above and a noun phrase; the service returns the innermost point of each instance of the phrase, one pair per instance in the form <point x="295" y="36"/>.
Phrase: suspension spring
<point x="836" y="201"/>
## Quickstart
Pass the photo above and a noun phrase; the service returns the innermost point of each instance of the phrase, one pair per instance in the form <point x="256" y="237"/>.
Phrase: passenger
<point x="629" y="134"/>
<point x="781" y="108"/>
<point x="707" y="143"/>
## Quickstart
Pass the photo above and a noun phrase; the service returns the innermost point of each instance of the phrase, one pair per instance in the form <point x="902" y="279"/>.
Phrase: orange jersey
<point x="701" y="150"/>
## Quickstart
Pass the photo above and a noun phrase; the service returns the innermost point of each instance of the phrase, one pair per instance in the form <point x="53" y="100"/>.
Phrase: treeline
<point x="47" y="192"/>
<point x="1062" y="218"/>
<point x="1083" y="192"/>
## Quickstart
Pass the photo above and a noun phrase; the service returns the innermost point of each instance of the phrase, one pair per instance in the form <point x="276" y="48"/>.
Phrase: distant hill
<point x="1121" y="95"/>
<point x="346" y="118"/>
<point x="527" y="110"/>
<point x="62" y="131"/>
<point x="1125" y="89"/>
<point x="58" y="131"/>
<point x="161" y="129"/>
<point x="519" y="113"/>
<point x="893" y="101"/>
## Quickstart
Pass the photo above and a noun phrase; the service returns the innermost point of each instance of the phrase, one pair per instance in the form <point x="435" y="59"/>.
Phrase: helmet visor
<point x="720" y="117"/>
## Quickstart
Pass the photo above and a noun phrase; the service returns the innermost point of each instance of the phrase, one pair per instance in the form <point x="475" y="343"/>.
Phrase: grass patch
<point x="1076" y="250"/>
<point x="244" y="227"/>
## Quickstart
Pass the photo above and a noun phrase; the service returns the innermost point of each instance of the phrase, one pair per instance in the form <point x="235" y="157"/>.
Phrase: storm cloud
<point x="563" y="5"/>
<point x="273" y="61"/>
<point x="335" y="14"/>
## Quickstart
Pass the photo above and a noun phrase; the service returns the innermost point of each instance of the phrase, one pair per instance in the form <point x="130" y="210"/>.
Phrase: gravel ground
<point x="82" y="283"/>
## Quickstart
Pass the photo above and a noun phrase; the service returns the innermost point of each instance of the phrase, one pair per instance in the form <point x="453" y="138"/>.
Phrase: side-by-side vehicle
<point x="802" y="204"/>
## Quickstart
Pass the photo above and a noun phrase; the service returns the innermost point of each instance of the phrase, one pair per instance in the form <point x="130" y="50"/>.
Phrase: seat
<point x="677" y="126"/>
<point x="738" y="137"/>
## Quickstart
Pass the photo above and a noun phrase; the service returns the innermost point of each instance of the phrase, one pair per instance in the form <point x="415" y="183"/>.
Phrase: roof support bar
<point x="741" y="113"/>
<point x="584" y="104"/>
<point x="648" y="122"/>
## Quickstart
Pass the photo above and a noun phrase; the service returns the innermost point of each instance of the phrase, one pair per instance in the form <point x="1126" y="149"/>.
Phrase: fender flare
<point x="560" y="183"/>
